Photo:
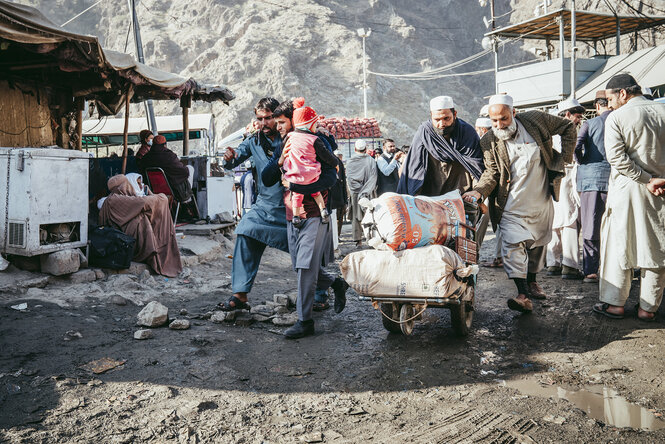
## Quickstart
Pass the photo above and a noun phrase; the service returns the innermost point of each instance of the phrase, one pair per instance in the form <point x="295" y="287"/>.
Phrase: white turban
<point x="501" y="99"/>
<point x="567" y="104"/>
<point x="483" y="122"/>
<point x="360" y="145"/>
<point x="441" y="102"/>
<point x="484" y="111"/>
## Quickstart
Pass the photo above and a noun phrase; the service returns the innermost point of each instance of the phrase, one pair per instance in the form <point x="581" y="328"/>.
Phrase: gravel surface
<point x="242" y="382"/>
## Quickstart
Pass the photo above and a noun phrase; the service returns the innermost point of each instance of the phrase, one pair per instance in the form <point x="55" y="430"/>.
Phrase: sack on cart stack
<point x="425" y="272"/>
<point x="400" y="222"/>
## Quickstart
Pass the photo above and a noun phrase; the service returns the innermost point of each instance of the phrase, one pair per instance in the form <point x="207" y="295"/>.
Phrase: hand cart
<point x="399" y="314"/>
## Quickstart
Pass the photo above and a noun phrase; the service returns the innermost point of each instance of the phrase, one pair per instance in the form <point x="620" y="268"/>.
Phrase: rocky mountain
<point x="311" y="48"/>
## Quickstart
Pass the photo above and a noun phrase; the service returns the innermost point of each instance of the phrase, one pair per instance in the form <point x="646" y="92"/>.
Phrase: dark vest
<point x="386" y="184"/>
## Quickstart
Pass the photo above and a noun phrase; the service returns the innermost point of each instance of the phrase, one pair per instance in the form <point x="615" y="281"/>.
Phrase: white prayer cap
<point x="360" y="145"/>
<point x="501" y="99"/>
<point x="483" y="122"/>
<point x="567" y="104"/>
<point x="441" y="102"/>
<point x="484" y="111"/>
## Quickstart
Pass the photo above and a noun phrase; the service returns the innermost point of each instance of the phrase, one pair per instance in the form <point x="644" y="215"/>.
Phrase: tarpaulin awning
<point x="38" y="50"/>
<point x="646" y="66"/>
<point x="111" y="126"/>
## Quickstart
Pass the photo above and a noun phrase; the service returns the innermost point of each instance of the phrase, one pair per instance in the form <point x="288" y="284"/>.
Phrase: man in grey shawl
<point x="361" y="177"/>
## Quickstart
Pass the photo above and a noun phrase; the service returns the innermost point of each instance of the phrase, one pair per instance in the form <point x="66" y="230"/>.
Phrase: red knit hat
<point x="159" y="140"/>
<point x="304" y="117"/>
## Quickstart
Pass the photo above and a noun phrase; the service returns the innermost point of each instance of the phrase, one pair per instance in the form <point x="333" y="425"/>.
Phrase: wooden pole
<point x="79" y="123"/>
<point x="126" y="130"/>
<point x="185" y="103"/>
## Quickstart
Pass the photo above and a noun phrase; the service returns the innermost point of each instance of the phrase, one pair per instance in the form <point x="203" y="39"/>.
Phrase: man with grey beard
<point x="521" y="172"/>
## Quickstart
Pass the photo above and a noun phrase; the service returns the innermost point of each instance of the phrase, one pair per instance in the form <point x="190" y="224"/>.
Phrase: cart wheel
<point x="391" y="310"/>
<point x="406" y="312"/>
<point x="461" y="316"/>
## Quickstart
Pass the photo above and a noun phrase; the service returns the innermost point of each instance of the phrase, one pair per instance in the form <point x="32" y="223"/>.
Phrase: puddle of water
<point x="606" y="406"/>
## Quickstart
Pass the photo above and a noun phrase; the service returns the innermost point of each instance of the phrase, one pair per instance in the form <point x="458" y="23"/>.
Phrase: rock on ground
<point x="61" y="262"/>
<point x="118" y="300"/>
<point x="153" y="315"/>
<point x="281" y="299"/>
<point x="144" y="334"/>
<point x="262" y="310"/>
<point x="179" y="324"/>
<point x="285" y="320"/>
<point x="83" y="276"/>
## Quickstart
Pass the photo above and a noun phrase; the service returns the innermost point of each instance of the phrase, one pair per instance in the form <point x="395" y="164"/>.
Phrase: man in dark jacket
<point x="339" y="196"/>
<point x="176" y="172"/>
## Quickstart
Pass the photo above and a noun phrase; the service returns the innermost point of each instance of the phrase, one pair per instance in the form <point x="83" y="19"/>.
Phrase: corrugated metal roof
<point x="590" y="26"/>
<point x="646" y="66"/>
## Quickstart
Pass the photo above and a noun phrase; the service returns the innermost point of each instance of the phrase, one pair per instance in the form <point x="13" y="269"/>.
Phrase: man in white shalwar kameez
<point x="633" y="226"/>
<point x="522" y="174"/>
<point x="563" y="249"/>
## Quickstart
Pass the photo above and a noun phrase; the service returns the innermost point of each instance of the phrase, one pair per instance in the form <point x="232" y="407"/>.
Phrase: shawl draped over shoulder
<point x="463" y="147"/>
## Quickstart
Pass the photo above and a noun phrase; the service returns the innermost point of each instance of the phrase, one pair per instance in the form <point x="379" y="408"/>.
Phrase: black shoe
<point x="571" y="273"/>
<point x="325" y="216"/>
<point x="340" y="286"/>
<point x="300" y="329"/>
<point x="297" y="222"/>
<point x="554" y="270"/>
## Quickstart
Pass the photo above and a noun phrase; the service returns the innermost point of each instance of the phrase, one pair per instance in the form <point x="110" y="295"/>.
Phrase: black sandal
<point x="602" y="309"/>
<point x="643" y="319"/>
<point x="237" y="305"/>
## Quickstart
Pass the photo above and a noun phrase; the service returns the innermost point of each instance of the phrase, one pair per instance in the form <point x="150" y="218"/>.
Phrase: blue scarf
<point x="463" y="147"/>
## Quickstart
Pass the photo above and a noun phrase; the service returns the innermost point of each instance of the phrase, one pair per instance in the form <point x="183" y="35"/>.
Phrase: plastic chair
<point x="160" y="184"/>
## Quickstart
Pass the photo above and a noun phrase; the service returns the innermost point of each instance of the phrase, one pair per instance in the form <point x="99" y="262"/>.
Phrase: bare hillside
<point x="310" y="48"/>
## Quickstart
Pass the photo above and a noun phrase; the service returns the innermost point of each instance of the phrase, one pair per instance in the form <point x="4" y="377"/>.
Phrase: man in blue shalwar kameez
<point x="265" y="225"/>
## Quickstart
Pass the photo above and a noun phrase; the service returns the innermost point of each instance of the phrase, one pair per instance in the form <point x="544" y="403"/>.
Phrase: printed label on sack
<point x="418" y="221"/>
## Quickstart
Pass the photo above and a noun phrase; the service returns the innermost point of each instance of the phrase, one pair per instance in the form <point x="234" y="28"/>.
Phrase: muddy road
<point x="560" y="374"/>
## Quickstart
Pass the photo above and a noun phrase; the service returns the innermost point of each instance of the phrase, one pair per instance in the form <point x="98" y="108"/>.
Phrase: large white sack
<point x="421" y="272"/>
<point x="400" y="222"/>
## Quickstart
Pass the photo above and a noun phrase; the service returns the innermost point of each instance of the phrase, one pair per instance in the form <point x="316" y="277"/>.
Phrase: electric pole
<point x="149" y="110"/>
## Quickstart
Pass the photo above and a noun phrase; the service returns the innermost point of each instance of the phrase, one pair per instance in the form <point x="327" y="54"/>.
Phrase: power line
<point x="653" y="7"/>
<point x="434" y="73"/>
<point x="80" y="14"/>
<point x="436" y="70"/>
